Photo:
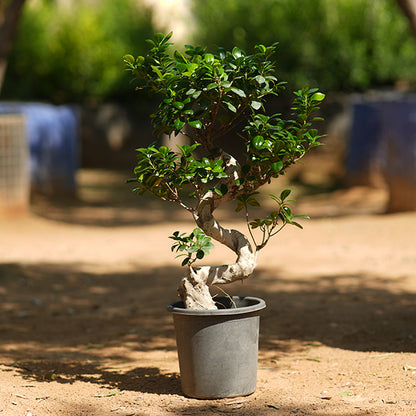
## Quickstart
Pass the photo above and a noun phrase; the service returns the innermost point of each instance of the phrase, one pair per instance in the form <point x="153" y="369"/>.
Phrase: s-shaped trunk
<point x="194" y="289"/>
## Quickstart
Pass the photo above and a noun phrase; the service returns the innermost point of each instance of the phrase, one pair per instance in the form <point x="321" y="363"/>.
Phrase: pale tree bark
<point x="409" y="9"/>
<point x="10" y="12"/>
<point x="194" y="288"/>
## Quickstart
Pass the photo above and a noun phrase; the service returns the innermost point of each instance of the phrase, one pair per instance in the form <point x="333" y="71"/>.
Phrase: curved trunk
<point x="194" y="289"/>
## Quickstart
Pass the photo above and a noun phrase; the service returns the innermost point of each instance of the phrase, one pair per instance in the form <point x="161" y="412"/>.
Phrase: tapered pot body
<point x="218" y="349"/>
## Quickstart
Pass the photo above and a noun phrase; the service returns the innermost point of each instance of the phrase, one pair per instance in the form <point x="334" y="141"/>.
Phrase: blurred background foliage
<point x="73" y="52"/>
<point x="334" y="44"/>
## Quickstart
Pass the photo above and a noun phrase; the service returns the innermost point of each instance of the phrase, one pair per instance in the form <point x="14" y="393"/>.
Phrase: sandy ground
<point x="84" y="328"/>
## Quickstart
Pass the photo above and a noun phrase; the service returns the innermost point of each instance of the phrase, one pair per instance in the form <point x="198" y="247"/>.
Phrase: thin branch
<point x="248" y="226"/>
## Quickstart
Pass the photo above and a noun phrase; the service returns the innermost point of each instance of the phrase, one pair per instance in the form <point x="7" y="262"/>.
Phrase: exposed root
<point x="195" y="292"/>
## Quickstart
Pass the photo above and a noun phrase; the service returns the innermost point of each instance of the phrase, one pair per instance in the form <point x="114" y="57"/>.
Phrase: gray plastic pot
<point x="218" y="349"/>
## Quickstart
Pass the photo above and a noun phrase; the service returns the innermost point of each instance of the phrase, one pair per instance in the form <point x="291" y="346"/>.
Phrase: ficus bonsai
<point x="206" y="97"/>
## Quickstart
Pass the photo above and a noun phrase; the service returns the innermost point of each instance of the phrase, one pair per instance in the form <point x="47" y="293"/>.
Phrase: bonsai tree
<point x="207" y="97"/>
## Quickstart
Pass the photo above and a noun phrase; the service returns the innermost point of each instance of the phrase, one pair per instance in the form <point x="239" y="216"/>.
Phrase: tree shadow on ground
<point x="139" y="379"/>
<point x="65" y="306"/>
<point x="70" y="305"/>
<point x="358" y="312"/>
<point x="152" y="380"/>
<point x="65" y="318"/>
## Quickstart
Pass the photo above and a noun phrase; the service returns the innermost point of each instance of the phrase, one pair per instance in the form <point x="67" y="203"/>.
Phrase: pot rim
<point x="254" y="304"/>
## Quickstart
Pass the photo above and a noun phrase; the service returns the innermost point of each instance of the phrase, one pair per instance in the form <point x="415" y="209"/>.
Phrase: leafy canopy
<point x="205" y="96"/>
<point x="197" y="85"/>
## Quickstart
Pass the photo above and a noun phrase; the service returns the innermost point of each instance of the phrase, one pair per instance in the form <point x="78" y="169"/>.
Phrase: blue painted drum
<point x="52" y="134"/>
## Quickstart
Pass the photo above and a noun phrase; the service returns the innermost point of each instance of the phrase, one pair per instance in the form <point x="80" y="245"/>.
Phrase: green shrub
<point x="340" y="44"/>
<point x="74" y="53"/>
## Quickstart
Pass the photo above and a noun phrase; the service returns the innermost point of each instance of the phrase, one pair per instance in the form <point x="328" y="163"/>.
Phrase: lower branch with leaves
<point x="194" y="289"/>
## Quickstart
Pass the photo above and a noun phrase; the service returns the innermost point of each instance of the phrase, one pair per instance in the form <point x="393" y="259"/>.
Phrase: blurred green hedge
<point x="73" y="53"/>
<point x="333" y="44"/>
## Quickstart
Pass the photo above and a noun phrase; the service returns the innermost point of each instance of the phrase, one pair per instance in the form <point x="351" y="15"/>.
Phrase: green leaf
<point x="239" y="92"/>
<point x="211" y="86"/>
<point x="129" y="60"/>
<point x="285" y="194"/>
<point x="151" y="42"/>
<point x="258" y="142"/>
<point x="261" y="48"/>
<point x="230" y="106"/>
<point x="256" y="105"/>
<point x="237" y="52"/>
<point x="159" y="37"/>
<point x="195" y="124"/>
<point x="318" y="96"/>
<point x="239" y="206"/>
<point x="253" y="202"/>
<point x="180" y="58"/>
<point x="157" y="71"/>
<point x="179" y="124"/>
<point x="277" y="166"/>
<point x="179" y="105"/>
<point x="192" y="249"/>
<point x="256" y="223"/>
<point x="186" y="261"/>
<point x="140" y="60"/>
<point x="191" y="67"/>
<point x="222" y="190"/>
<point x="209" y="58"/>
<point x="287" y="212"/>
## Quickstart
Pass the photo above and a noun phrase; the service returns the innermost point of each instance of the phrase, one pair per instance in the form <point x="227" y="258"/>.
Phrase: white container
<point x="14" y="165"/>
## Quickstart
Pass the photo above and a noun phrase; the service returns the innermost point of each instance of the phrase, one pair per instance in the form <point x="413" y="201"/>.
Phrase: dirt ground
<point x="84" y="328"/>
